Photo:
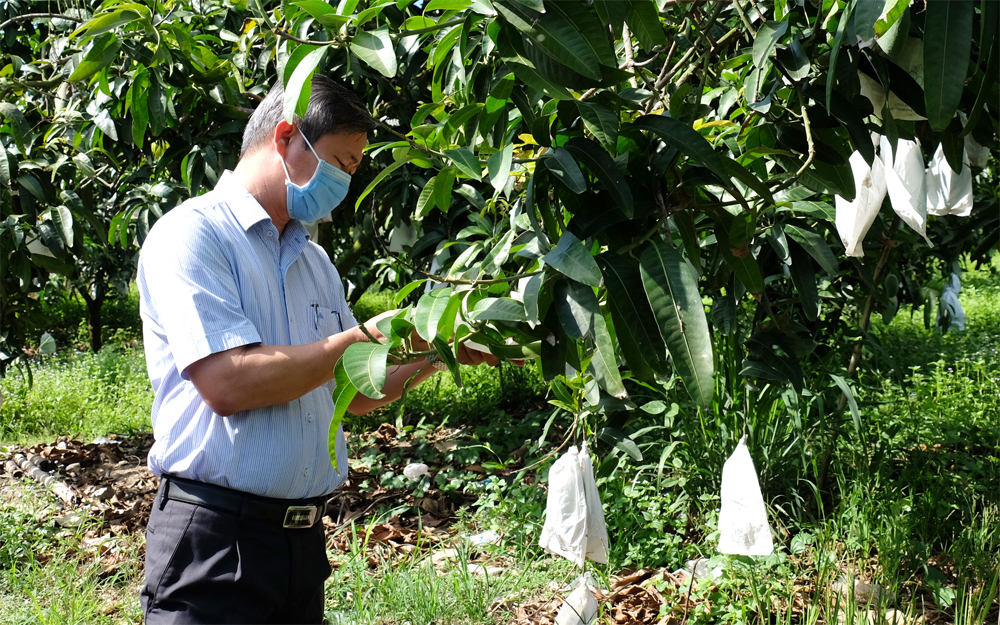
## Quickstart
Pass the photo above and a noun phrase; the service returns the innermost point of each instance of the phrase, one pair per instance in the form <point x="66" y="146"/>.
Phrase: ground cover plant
<point x="911" y="506"/>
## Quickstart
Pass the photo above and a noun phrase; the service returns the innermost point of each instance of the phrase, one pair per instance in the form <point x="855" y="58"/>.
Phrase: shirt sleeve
<point x="191" y="292"/>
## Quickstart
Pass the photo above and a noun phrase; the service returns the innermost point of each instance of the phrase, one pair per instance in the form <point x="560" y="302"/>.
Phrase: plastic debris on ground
<point x="743" y="522"/>
<point x="490" y="537"/>
<point x="854" y="218"/>
<point x="948" y="192"/>
<point x="415" y="469"/>
<point x="906" y="183"/>
<point x="574" y="518"/>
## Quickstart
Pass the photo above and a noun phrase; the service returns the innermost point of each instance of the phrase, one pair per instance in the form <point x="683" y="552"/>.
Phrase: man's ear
<point x="283" y="134"/>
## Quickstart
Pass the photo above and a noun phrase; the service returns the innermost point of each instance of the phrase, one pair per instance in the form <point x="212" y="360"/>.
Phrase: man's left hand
<point x="469" y="356"/>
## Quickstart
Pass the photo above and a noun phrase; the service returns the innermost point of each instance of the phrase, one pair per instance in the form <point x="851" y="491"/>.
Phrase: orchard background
<point x="641" y="193"/>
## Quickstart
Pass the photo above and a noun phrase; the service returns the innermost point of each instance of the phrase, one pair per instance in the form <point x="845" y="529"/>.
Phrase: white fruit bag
<point x="574" y="519"/>
<point x="597" y="531"/>
<point x="976" y="155"/>
<point x="948" y="193"/>
<point x="906" y="183"/>
<point x="743" y="526"/>
<point x="580" y="607"/>
<point x="856" y="217"/>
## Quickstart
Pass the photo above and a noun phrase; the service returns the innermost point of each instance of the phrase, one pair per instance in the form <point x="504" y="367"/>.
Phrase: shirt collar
<point x="245" y="207"/>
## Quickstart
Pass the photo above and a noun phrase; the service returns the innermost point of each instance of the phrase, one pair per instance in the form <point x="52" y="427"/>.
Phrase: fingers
<point x="469" y="356"/>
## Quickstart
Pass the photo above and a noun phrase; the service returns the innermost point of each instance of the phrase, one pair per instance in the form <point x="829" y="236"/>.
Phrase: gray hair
<point x="333" y="109"/>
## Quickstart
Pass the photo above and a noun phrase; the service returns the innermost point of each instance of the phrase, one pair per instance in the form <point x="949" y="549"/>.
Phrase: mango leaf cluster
<point x="622" y="184"/>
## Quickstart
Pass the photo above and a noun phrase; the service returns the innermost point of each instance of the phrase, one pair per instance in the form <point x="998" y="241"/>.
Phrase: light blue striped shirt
<point x="213" y="275"/>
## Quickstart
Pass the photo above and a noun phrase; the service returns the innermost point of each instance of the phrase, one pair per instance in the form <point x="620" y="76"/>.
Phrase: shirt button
<point x="270" y="234"/>
<point x="306" y="472"/>
<point x="309" y="418"/>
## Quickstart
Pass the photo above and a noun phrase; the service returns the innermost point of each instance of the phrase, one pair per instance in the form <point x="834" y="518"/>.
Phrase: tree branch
<point x="37" y="16"/>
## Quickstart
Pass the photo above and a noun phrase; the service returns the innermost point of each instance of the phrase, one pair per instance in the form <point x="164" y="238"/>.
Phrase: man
<point x="244" y="320"/>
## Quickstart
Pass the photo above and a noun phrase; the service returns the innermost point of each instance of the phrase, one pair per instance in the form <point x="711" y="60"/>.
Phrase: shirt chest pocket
<point x="325" y="320"/>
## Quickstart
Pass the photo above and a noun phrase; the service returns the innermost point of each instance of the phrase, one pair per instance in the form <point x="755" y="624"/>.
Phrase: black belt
<point x="291" y="513"/>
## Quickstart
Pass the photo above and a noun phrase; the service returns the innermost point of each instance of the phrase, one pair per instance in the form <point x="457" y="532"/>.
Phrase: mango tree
<point x="640" y="193"/>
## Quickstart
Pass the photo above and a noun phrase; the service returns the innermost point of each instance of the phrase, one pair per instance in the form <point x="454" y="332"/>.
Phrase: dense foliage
<point x="584" y="180"/>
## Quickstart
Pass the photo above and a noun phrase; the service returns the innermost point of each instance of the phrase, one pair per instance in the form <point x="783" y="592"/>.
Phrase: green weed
<point x="80" y="394"/>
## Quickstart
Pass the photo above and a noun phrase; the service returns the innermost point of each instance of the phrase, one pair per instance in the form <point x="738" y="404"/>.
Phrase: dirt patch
<point x="107" y="478"/>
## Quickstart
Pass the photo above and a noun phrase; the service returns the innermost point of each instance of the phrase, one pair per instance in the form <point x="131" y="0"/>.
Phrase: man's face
<point x="343" y="151"/>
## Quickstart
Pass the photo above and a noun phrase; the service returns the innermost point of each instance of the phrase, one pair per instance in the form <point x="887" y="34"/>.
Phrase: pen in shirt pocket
<point x="315" y="307"/>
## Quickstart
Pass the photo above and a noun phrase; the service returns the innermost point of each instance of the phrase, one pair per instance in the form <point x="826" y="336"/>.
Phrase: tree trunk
<point x="94" y="323"/>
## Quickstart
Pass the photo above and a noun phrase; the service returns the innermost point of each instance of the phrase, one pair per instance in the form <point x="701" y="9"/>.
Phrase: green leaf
<point x="804" y="279"/>
<point x="101" y="53"/>
<point x="445" y="352"/>
<point x="365" y="364"/>
<point x="5" y="173"/>
<point x="743" y="175"/>
<point x="139" y="97"/>
<point x="298" y="79"/>
<point x="575" y="305"/>
<point x="604" y="362"/>
<point x="447" y="5"/>
<point x="770" y="362"/>
<point x="735" y="236"/>
<point x="851" y="401"/>
<point x="866" y="13"/>
<point x="555" y="35"/>
<point x="382" y="175"/>
<point x="497" y="256"/>
<point x="31" y="183"/>
<point x="563" y="166"/>
<point x="602" y="122"/>
<point x="686" y="139"/>
<point x="768" y="35"/>
<point x="603" y="166"/>
<point x="323" y="13"/>
<point x="838" y="40"/>
<point x="498" y="309"/>
<point x="589" y="27"/>
<point x="107" y="125"/>
<point x="425" y="201"/>
<point x="63" y="220"/>
<point x="621" y="441"/>
<point x="676" y="302"/>
<point x="375" y="48"/>
<point x="18" y="124"/>
<point x="466" y="162"/>
<point x="643" y="21"/>
<point x="84" y="164"/>
<point x="343" y="395"/>
<point x="816" y="245"/>
<point x="571" y="258"/>
<point x="444" y="184"/>
<point x="406" y="290"/>
<point x="430" y="309"/>
<point x="897" y="8"/>
<point x="499" y="166"/>
<point x="635" y="325"/>
<point x="530" y="294"/>
<point x="947" y="51"/>
<point x="108" y="21"/>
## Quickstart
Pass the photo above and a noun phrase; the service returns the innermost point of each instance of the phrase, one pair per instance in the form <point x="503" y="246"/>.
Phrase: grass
<point x="77" y="393"/>
<point x="912" y="506"/>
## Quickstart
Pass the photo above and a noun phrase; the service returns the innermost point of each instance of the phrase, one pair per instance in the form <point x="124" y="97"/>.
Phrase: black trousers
<point x="204" y="566"/>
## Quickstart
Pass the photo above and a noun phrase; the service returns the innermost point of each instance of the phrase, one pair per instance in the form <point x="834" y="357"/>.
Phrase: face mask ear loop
<point x="311" y="149"/>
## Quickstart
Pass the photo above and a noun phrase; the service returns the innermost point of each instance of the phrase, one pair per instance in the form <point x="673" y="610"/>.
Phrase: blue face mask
<point x="325" y="190"/>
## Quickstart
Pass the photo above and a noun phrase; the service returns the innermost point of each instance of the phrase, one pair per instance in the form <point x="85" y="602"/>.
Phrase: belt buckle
<point x="299" y="517"/>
